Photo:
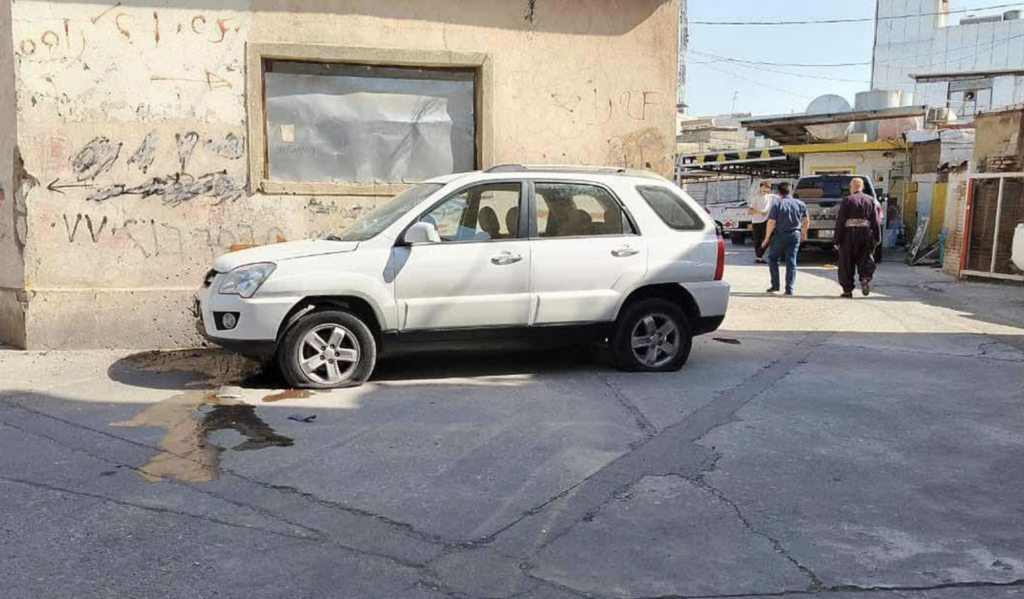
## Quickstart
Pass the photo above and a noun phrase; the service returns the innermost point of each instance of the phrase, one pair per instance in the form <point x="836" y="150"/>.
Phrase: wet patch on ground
<point x="186" y="452"/>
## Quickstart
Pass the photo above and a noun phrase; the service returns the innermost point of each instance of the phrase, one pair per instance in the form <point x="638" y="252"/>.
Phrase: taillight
<point x="720" y="267"/>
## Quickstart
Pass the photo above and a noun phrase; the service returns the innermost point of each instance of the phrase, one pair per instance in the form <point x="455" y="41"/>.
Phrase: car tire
<point x="327" y="350"/>
<point x="738" y="238"/>
<point x="632" y="328"/>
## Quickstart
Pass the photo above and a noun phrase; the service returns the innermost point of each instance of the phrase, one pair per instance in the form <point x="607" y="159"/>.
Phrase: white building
<point x="969" y="64"/>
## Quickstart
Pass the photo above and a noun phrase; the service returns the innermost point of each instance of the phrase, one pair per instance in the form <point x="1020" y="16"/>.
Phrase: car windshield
<point x="372" y="223"/>
<point x="831" y="187"/>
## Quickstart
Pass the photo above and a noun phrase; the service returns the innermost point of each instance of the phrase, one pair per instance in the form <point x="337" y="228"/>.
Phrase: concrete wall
<point x="121" y="96"/>
<point x="921" y="45"/>
<point x="12" y="320"/>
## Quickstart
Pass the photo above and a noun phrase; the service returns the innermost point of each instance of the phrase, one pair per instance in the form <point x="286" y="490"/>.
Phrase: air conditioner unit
<point x="939" y="116"/>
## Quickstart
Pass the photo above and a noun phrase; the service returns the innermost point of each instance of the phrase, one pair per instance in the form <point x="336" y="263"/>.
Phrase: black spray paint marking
<point x="186" y="145"/>
<point x="93" y="232"/>
<point x="143" y="157"/>
<point x="96" y="157"/>
<point x="106" y="193"/>
<point x="177" y="189"/>
<point x="231" y="147"/>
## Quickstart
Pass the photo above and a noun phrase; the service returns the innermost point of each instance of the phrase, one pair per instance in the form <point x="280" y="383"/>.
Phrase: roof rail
<point x="569" y="168"/>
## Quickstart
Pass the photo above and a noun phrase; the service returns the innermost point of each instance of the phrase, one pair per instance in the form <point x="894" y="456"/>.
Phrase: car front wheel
<point x="326" y="350"/>
<point x="652" y="335"/>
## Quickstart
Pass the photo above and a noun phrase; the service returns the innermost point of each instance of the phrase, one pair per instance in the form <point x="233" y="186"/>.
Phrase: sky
<point x="769" y="89"/>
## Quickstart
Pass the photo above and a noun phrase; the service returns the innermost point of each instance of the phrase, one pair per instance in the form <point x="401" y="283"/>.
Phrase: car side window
<point x="578" y="210"/>
<point x="481" y="213"/>
<point x="671" y="208"/>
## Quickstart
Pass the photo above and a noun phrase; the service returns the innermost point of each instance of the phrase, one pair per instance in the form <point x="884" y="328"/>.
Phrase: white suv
<point x="512" y="254"/>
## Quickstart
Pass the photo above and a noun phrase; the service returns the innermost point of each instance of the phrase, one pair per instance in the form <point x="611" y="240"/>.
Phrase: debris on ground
<point x="305" y="419"/>
<point x="727" y="340"/>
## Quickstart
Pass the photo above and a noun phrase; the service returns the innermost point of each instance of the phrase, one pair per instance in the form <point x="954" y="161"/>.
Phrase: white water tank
<point x="879" y="99"/>
<point x="829" y="104"/>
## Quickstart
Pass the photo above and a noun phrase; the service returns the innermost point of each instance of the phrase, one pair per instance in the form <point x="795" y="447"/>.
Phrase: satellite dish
<point x="829" y="104"/>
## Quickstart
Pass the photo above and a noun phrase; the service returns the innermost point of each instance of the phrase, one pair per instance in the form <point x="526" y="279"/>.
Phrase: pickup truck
<point x="823" y="194"/>
<point x="733" y="217"/>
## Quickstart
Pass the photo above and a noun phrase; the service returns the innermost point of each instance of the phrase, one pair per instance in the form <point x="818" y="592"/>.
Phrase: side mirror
<point x="422" y="233"/>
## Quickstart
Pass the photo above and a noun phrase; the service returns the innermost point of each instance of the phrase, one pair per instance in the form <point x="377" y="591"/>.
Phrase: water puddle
<point x="186" y="453"/>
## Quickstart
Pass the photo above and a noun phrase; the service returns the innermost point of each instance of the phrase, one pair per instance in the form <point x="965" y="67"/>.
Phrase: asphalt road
<point x="815" y="446"/>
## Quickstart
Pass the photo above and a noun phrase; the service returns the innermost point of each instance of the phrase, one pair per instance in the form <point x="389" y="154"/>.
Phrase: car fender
<point x="333" y="283"/>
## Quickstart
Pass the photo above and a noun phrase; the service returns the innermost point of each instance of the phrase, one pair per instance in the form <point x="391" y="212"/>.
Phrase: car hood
<point x="282" y="251"/>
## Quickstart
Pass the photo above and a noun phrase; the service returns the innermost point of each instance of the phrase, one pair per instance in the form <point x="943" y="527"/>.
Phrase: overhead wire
<point x="761" y="83"/>
<point x="790" y="73"/>
<point x="780" y="64"/>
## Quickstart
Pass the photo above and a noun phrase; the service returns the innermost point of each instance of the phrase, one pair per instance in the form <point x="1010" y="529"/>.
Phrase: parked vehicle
<point x="734" y="217"/>
<point x="823" y="194"/>
<point x="1017" y="254"/>
<point x="513" y="254"/>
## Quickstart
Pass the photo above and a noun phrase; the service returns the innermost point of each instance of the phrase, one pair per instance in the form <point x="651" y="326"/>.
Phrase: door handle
<point x="625" y="251"/>
<point x="506" y="258"/>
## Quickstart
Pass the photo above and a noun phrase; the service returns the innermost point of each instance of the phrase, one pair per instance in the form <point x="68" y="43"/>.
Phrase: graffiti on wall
<point x="132" y="26"/>
<point x="595" y="108"/>
<point x="101" y="154"/>
<point x="151" y="238"/>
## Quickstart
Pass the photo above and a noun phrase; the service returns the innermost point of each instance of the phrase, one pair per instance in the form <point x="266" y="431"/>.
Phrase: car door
<point x="478" y="275"/>
<point x="585" y="253"/>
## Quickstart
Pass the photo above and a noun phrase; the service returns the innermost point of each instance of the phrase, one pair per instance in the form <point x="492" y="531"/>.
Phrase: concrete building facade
<point x="969" y="64"/>
<point x="142" y="138"/>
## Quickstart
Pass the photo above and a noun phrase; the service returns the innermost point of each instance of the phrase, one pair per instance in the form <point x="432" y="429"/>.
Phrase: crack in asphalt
<point x="677" y="441"/>
<point x="317" y="534"/>
<point x="982" y="355"/>
<point x="256" y="509"/>
<point x="777" y="546"/>
<point x="642" y="421"/>
<point x="854" y="589"/>
<point x="150" y="508"/>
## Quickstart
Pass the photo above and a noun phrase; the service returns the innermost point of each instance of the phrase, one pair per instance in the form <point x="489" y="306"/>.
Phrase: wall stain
<point x="186" y="453"/>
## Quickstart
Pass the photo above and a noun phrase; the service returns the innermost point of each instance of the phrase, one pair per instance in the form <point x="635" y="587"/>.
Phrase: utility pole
<point x="684" y="54"/>
<point x="735" y="95"/>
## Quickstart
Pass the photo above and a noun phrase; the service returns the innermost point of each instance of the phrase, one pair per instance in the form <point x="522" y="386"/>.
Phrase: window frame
<point x="522" y="227"/>
<point x="532" y="210"/>
<point x="699" y="226"/>
<point x="257" y="55"/>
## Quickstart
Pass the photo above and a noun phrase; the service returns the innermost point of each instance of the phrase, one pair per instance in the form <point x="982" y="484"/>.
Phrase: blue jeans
<point x="783" y="246"/>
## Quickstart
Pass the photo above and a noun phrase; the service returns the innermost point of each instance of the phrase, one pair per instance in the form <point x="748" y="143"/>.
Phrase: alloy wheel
<point x="655" y="340"/>
<point x="328" y="354"/>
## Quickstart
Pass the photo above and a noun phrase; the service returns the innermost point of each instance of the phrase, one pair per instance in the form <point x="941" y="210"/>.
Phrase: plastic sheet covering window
<point x="362" y="124"/>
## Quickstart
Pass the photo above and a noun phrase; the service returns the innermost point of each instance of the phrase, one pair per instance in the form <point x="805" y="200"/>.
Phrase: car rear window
<point x="832" y="187"/>
<point x="671" y="208"/>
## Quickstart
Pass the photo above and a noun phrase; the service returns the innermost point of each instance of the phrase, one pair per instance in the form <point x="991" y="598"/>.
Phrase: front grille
<point x="210" y="276"/>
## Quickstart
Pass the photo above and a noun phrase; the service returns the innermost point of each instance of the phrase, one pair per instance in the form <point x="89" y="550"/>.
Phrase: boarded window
<point x="347" y="123"/>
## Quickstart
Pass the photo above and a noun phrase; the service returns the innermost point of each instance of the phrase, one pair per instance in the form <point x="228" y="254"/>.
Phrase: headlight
<point x="245" y="280"/>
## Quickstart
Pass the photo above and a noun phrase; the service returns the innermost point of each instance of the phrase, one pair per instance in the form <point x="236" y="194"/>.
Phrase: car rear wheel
<point x="326" y="350"/>
<point x="652" y="335"/>
<point x="738" y="238"/>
